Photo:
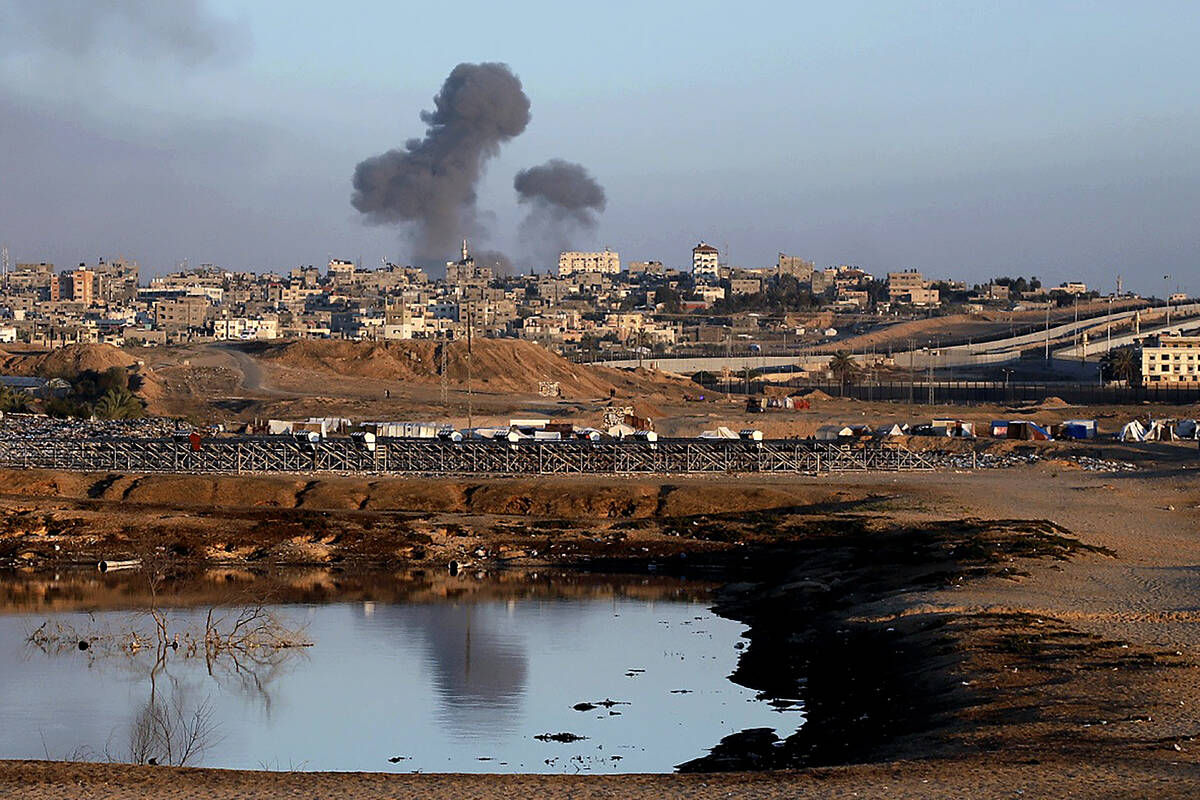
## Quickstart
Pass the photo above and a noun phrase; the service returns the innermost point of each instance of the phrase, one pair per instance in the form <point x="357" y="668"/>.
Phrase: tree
<point x="13" y="399"/>
<point x="668" y="298"/>
<point x="119" y="403"/>
<point x="1122" y="364"/>
<point x="844" y="367"/>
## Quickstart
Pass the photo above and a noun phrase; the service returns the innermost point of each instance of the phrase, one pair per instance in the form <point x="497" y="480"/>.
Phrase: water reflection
<point x="478" y="663"/>
<point x="421" y="673"/>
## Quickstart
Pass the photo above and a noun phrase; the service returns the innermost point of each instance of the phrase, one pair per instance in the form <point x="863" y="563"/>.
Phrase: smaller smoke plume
<point x="564" y="200"/>
<point x="186" y="30"/>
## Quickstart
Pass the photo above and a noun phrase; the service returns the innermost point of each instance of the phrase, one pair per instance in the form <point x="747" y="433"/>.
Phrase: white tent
<point x="895" y="429"/>
<point x="1133" y="431"/>
<point x="1161" y="430"/>
<point x="621" y="431"/>
<point x="720" y="433"/>
<point x="831" y="433"/>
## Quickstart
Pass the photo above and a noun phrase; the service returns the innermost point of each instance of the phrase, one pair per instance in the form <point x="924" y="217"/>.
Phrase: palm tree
<point x="118" y="403"/>
<point x="1123" y="364"/>
<point x="13" y="399"/>
<point x="844" y="368"/>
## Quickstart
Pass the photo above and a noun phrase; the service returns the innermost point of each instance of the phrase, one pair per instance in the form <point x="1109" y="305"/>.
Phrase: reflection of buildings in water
<point x="478" y="671"/>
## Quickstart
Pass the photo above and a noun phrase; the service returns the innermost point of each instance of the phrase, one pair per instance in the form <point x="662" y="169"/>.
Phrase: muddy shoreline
<point x="847" y="587"/>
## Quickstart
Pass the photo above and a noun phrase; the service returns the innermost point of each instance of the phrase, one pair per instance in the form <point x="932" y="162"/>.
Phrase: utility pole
<point x="470" y="409"/>
<point x="1047" y="330"/>
<point x="912" y="374"/>
<point x="932" y="356"/>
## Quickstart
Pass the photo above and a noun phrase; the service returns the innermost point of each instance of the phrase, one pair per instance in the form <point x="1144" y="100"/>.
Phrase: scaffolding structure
<point x="277" y="454"/>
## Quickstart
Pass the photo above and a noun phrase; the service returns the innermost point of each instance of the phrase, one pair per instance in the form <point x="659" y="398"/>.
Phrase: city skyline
<point x="967" y="143"/>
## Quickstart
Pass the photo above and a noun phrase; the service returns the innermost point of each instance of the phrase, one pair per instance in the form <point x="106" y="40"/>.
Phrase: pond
<point x="392" y="673"/>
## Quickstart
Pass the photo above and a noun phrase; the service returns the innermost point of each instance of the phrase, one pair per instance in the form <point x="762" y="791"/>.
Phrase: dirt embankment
<point x="66" y="362"/>
<point x="493" y="365"/>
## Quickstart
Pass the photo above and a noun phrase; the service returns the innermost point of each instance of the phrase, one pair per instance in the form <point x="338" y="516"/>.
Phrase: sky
<point x="967" y="140"/>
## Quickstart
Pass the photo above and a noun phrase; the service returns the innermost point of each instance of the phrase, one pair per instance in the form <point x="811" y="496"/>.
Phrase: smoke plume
<point x="185" y="30"/>
<point x="501" y="265"/>
<point x="564" y="199"/>
<point x="430" y="183"/>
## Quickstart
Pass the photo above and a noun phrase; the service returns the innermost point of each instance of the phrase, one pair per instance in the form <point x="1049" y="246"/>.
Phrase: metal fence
<point x="242" y="455"/>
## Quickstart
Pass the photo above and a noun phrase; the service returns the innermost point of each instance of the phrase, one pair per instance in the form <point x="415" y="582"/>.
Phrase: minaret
<point x="465" y="252"/>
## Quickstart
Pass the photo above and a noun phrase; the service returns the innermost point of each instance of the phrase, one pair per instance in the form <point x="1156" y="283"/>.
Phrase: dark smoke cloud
<point x="564" y="198"/>
<point x="430" y="183"/>
<point x="181" y="29"/>
<point x="501" y="265"/>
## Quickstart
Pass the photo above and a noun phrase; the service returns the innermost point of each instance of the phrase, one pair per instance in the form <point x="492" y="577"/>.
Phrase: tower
<point x="466" y="253"/>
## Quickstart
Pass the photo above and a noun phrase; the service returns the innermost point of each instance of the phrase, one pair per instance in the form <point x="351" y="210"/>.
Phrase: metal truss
<point x="248" y="454"/>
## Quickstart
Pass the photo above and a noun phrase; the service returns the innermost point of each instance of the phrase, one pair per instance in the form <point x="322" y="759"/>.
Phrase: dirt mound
<point x="494" y="365"/>
<point x="1053" y="402"/>
<point x="68" y="361"/>
<point x="815" y="394"/>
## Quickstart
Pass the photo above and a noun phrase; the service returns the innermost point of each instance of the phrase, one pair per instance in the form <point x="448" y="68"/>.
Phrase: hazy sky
<point x="966" y="139"/>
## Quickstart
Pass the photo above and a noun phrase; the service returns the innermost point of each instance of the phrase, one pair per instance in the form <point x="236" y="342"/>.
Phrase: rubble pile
<point x="1008" y="460"/>
<point x="36" y="426"/>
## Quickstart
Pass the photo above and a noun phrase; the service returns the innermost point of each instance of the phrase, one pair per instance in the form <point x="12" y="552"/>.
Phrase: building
<point x="181" y="313"/>
<point x="340" y="270"/>
<point x="705" y="260"/>
<point x="1174" y="360"/>
<point x="646" y="268"/>
<point x="744" y="286"/>
<point x="795" y="266"/>
<point x="466" y="271"/>
<point x="83" y="286"/>
<point x="606" y="262"/>
<point x="902" y="284"/>
<point x="1071" y="287"/>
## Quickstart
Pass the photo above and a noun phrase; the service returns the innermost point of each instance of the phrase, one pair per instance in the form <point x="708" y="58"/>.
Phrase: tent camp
<point x="948" y="426"/>
<point x="895" y="429"/>
<point x="1133" y="431"/>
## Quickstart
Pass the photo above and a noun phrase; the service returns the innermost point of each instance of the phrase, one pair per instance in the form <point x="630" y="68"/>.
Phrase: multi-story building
<point x="795" y="266"/>
<point x="181" y="313"/>
<point x="83" y="286"/>
<point x="572" y="262"/>
<point x="646" y="268"/>
<point x="706" y="260"/>
<point x="902" y="284"/>
<point x="340" y="270"/>
<point x="1174" y="360"/>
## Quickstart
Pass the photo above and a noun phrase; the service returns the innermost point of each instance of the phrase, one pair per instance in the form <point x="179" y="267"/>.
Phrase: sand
<point x="1117" y="719"/>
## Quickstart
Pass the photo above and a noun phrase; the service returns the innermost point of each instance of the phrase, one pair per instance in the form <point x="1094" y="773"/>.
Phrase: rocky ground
<point x="959" y="633"/>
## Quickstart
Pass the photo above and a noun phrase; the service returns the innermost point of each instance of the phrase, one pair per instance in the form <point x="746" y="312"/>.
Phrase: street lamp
<point x="1167" y="294"/>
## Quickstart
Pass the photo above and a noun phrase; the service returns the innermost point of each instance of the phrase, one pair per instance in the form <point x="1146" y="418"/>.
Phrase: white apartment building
<point x="606" y="262"/>
<point x="706" y="260"/>
<point x="243" y="328"/>
<point x="1175" y="359"/>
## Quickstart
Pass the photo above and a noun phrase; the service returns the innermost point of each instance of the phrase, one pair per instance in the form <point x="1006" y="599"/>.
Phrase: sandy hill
<point x="66" y="361"/>
<point x="496" y="365"/>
